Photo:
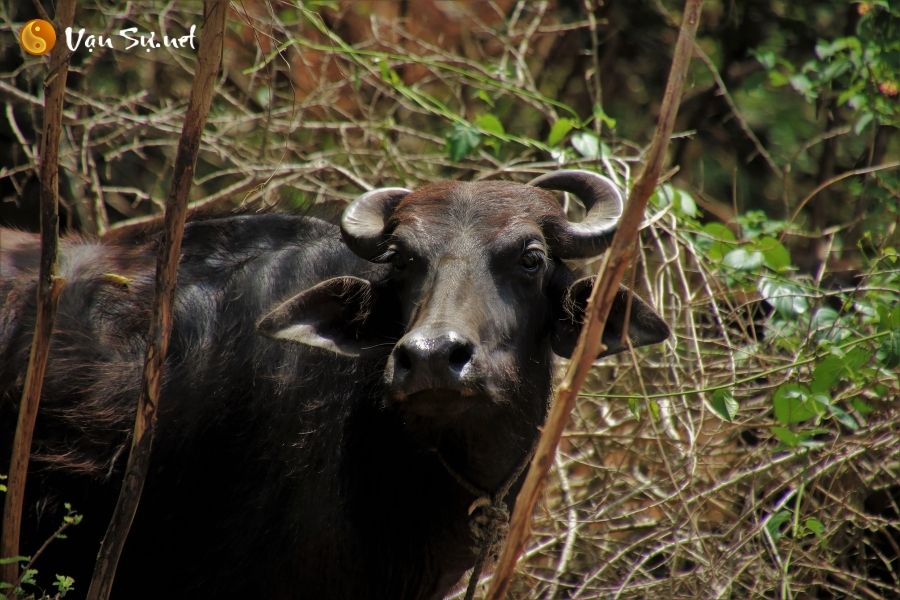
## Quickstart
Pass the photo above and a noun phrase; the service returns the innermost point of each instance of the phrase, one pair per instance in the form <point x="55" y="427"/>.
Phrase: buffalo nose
<point x="441" y="361"/>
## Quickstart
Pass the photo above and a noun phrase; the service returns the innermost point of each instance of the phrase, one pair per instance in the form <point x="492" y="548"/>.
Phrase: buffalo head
<point x="472" y="294"/>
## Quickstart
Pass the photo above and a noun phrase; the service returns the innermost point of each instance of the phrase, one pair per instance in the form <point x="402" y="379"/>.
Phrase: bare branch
<point x="209" y="60"/>
<point x="605" y="287"/>
<point x="48" y="290"/>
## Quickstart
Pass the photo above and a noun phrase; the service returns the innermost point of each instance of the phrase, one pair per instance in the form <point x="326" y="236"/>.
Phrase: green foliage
<point x="63" y="584"/>
<point x="775" y="523"/>
<point x="28" y="585"/>
<point x="462" y="140"/>
<point x="724" y="404"/>
<point x="860" y="71"/>
<point x="559" y="130"/>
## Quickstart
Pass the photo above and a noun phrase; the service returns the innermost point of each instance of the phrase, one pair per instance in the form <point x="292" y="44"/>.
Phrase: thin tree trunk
<point x="48" y="290"/>
<point x="209" y="60"/>
<point x="605" y="287"/>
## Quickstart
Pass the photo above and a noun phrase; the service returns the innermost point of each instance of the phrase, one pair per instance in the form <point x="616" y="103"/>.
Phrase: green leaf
<point x="654" y="409"/>
<point x="587" y="144"/>
<point x="484" y="97"/>
<point x="685" y="204"/>
<point x="861" y="406"/>
<point x="490" y="123"/>
<point x="784" y="296"/>
<point x="889" y="352"/>
<point x="559" y="130"/>
<point x="856" y="359"/>
<point x="765" y="58"/>
<point x="604" y="118"/>
<point x="824" y="318"/>
<point x="778" y="79"/>
<point x="14" y="559"/>
<point x="775" y="254"/>
<point x="814" y="525"/>
<point x="843" y="417"/>
<point x="718" y="232"/>
<point x="773" y="525"/>
<point x="724" y="404"/>
<point x="743" y="260"/>
<point x="28" y="577"/>
<point x="861" y="123"/>
<point x="388" y="74"/>
<point x="64" y="584"/>
<point x="804" y="86"/>
<point x="723" y="240"/>
<point x="462" y="141"/>
<point x="634" y="408"/>
<point x="786" y="436"/>
<point x="792" y="404"/>
<point x="826" y="374"/>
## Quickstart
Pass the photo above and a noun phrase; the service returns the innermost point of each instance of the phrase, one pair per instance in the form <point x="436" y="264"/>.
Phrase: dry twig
<point x="209" y="60"/>
<point x="48" y="290"/>
<point x="605" y="287"/>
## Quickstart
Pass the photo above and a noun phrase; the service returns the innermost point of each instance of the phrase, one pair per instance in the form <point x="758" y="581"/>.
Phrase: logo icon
<point x="37" y="37"/>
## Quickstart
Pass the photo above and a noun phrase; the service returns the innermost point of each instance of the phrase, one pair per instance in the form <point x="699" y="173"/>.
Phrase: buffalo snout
<point x="428" y="365"/>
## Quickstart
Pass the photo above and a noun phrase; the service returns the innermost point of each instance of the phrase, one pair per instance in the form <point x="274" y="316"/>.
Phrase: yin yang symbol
<point x="37" y="37"/>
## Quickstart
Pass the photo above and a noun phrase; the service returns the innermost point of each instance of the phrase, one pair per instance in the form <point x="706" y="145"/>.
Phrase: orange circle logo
<point x="37" y="37"/>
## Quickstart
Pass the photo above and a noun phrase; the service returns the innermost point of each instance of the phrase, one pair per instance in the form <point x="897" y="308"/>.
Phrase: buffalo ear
<point x="645" y="326"/>
<point x="334" y="315"/>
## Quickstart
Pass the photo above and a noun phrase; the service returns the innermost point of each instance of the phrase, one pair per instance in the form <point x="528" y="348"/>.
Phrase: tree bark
<point x="605" y="287"/>
<point x="48" y="290"/>
<point x="209" y="60"/>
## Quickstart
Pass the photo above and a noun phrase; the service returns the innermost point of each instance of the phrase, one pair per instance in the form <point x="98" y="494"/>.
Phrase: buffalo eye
<point x="398" y="258"/>
<point x="532" y="260"/>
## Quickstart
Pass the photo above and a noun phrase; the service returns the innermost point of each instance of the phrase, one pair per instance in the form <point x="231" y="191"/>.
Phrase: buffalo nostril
<point x="402" y="359"/>
<point x="430" y="362"/>
<point x="460" y="356"/>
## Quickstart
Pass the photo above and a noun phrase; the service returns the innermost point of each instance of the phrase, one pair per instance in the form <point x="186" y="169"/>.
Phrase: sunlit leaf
<point x="724" y="404"/>
<point x="815" y="526"/>
<point x="785" y="297"/>
<point x="559" y="130"/>
<point x="604" y="118"/>
<point x="587" y="144"/>
<point x="743" y="259"/>
<point x="490" y="123"/>
<point x="484" y="97"/>
<point x="775" y="254"/>
<point x="793" y="404"/>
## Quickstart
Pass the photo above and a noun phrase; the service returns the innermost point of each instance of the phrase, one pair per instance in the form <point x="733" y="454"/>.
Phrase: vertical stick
<point x="48" y="290"/>
<point x="209" y="60"/>
<point x="605" y="287"/>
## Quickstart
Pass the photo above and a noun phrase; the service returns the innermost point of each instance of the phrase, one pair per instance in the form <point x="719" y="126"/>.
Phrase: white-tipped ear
<point x="333" y="315"/>
<point x="308" y="335"/>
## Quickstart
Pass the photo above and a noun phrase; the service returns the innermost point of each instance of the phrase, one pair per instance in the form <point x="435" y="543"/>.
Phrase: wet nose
<point x="423" y="361"/>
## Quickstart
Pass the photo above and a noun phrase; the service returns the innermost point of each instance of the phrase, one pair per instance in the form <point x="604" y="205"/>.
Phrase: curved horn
<point x="364" y="220"/>
<point x="603" y="202"/>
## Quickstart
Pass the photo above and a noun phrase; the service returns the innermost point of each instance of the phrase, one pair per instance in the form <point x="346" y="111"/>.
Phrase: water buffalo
<point x="333" y="398"/>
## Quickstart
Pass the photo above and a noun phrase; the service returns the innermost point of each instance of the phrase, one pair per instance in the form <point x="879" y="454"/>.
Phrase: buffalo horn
<point x="603" y="202"/>
<point x="364" y="220"/>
